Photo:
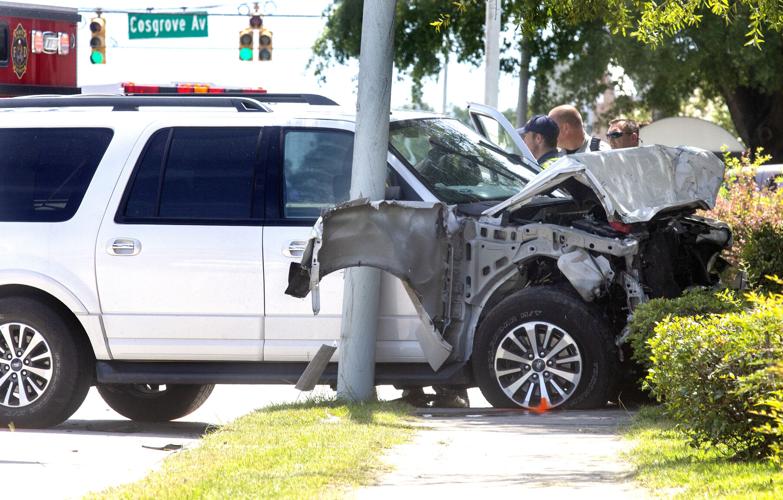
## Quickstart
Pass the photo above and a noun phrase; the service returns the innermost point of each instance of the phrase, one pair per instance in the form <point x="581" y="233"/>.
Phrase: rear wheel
<point x="545" y="347"/>
<point x="44" y="368"/>
<point x="153" y="402"/>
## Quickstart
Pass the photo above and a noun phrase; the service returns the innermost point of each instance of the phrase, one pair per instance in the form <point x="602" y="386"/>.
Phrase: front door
<point x="491" y="123"/>
<point x="316" y="174"/>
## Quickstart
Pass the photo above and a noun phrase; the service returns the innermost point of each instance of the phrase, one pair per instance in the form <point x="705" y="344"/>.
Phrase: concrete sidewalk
<point x="477" y="452"/>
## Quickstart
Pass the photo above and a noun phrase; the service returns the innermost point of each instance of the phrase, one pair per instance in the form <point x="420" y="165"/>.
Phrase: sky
<point x="214" y="59"/>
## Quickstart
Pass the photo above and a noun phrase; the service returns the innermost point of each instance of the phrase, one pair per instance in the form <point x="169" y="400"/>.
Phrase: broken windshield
<point x="454" y="162"/>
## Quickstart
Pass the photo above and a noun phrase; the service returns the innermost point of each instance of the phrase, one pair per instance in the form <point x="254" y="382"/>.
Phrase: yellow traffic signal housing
<point x="98" y="40"/>
<point x="246" y="44"/>
<point x="265" y="45"/>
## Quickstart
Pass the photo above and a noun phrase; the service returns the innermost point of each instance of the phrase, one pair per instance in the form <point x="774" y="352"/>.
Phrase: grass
<point x="308" y="450"/>
<point x="667" y="466"/>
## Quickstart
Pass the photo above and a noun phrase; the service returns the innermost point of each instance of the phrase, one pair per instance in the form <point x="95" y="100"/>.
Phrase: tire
<point x="45" y="369"/>
<point x="154" y="403"/>
<point x="579" y="366"/>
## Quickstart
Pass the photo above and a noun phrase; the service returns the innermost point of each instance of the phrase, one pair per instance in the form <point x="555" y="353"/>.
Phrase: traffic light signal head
<point x="98" y="40"/>
<point x="265" y="45"/>
<point x="246" y="45"/>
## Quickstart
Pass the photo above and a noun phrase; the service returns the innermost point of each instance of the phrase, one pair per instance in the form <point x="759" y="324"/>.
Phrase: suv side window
<point x="195" y="175"/>
<point x="44" y="173"/>
<point x="316" y="170"/>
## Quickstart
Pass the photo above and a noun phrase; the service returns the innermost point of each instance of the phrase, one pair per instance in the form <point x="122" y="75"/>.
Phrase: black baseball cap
<point x="543" y="125"/>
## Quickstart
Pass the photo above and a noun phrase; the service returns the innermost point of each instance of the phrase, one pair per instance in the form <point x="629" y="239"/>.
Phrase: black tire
<point x="580" y="365"/>
<point x="152" y="403"/>
<point x="54" y="359"/>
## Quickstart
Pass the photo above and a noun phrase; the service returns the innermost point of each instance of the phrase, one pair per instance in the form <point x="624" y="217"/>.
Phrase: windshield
<point x="456" y="163"/>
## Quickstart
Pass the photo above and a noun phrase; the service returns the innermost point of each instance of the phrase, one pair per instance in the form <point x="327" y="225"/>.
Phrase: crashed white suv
<point x="146" y="245"/>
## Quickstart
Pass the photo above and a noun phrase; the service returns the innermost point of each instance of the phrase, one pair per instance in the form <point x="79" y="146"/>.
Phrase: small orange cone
<point x="542" y="407"/>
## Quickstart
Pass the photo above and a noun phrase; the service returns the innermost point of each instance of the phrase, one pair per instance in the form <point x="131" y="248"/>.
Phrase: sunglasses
<point x="615" y="135"/>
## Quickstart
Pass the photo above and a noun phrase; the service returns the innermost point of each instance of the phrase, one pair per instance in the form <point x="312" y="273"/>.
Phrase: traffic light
<point x="265" y="45"/>
<point x="246" y="44"/>
<point x="98" y="40"/>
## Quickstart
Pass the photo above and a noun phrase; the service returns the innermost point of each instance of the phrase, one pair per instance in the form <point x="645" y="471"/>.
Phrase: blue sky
<point x="215" y="59"/>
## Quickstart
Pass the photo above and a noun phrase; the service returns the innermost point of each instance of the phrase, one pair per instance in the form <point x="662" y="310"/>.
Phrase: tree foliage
<point x="731" y="50"/>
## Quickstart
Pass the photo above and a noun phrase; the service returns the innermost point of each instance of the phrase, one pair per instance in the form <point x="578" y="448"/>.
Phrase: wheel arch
<point x="512" y="282"/>
<point x="57" y="305"/>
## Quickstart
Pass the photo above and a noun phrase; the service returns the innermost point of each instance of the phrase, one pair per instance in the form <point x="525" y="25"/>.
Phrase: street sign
<point x="182" y="25"/>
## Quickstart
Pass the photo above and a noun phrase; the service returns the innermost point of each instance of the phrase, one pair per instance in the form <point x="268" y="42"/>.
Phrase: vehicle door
<point x="178" y="255"/>
<point x="315" y="174"/>
<point x="491" y="123"/>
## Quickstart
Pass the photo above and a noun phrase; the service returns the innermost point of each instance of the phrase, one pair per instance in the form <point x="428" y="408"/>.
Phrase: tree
<point x="728" y="49"/>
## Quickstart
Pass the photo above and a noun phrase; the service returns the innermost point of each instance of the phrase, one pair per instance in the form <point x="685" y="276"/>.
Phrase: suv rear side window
<point x="45" y="172"/>
<point x="194" y="174"/>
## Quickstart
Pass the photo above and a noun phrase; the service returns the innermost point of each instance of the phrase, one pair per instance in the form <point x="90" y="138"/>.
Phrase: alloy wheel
<point x="25" y="365"/>
<point x="538" y="364"/>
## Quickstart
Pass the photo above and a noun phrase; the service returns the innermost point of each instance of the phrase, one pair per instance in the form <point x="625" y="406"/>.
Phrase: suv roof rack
<point x="132" y="103"/>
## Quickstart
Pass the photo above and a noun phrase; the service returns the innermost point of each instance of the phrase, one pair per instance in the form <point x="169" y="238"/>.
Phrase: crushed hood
<point x="635" y="184"/>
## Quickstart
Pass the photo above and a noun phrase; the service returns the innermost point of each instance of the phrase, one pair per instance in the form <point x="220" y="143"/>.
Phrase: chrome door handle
<point x="295" y="249"/>
<point x="124" y="247"/>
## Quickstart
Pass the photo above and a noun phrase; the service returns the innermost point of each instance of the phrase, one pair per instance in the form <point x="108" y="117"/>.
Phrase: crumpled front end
<point x="633" y="185"/>
<point x="636" y="242"/>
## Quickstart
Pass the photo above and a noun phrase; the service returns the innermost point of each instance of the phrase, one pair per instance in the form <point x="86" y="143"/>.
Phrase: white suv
<point x="146" y="243"/>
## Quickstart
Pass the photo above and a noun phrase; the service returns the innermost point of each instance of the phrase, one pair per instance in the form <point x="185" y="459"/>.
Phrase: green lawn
<point x="668" y="467"/>
<point x="308" y="450"/>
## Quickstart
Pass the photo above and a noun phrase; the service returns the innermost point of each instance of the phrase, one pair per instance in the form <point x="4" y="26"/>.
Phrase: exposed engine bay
<point x="619" y="227"/>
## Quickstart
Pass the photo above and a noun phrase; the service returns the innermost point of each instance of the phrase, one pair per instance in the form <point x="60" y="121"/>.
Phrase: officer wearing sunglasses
<point x="623" y="133"/>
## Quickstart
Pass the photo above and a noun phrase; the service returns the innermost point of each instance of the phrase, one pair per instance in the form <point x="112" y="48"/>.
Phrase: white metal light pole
<point x="492" y="53"/>
<point x="361" y="296"/>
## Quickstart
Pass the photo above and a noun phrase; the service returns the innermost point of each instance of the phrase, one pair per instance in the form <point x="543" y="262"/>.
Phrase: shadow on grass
<point x="360" y="413"/>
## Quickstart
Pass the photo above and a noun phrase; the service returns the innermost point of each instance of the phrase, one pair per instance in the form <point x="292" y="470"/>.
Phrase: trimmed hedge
<point x="716" y="377"/>
<point x="693" y="303"/>
<point x="762" y="256"/>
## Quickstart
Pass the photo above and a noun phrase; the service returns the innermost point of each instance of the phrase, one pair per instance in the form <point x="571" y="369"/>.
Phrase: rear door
<point x="178" y="260"/>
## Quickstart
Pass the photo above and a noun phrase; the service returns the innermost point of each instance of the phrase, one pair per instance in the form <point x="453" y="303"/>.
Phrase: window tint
<point x="195" y="174"/>
<point x="143" y="199"/>
<point x="44" y="173"/>
<point x="317" y="171"/>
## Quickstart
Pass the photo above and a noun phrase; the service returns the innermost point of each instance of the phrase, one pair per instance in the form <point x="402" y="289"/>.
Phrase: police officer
<point x="540" y="135"/>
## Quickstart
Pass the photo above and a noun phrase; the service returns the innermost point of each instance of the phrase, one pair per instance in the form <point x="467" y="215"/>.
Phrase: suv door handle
<point x="124" y="247"/>
<point x="295" y="249"/>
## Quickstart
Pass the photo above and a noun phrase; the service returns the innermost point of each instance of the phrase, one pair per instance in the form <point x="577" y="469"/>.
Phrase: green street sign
<point x="184" y="25"/>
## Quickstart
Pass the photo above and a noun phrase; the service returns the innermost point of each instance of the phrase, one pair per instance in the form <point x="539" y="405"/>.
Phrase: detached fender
<point x="409" y="240"/>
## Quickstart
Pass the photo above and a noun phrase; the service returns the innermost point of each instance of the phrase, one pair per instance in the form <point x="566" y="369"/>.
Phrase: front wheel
<point x="154" y="403"/>
<point x="543" y="347"/>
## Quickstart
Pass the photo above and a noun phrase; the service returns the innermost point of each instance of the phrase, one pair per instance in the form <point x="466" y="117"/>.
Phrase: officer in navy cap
<point x="540" y="134"/>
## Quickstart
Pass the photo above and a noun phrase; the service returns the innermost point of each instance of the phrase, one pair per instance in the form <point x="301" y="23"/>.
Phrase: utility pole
<point x="492" y="51"/>
<point x="361" y="296"/>
<point x="524" y="82"/>
<point x="445" y="79"/>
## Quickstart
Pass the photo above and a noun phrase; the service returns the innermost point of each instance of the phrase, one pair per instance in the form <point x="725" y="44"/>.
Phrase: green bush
<point x="762" y="255"/>
<point x="707" y="370"/>
<point x="692" y="303"/>
<point x="770" y="407"/>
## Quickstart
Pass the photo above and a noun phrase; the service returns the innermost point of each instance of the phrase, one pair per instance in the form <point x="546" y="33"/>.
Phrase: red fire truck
<point x="37" y="49"/>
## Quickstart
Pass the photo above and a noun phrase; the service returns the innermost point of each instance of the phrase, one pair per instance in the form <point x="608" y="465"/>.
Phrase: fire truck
<point x="37" y="49"/>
